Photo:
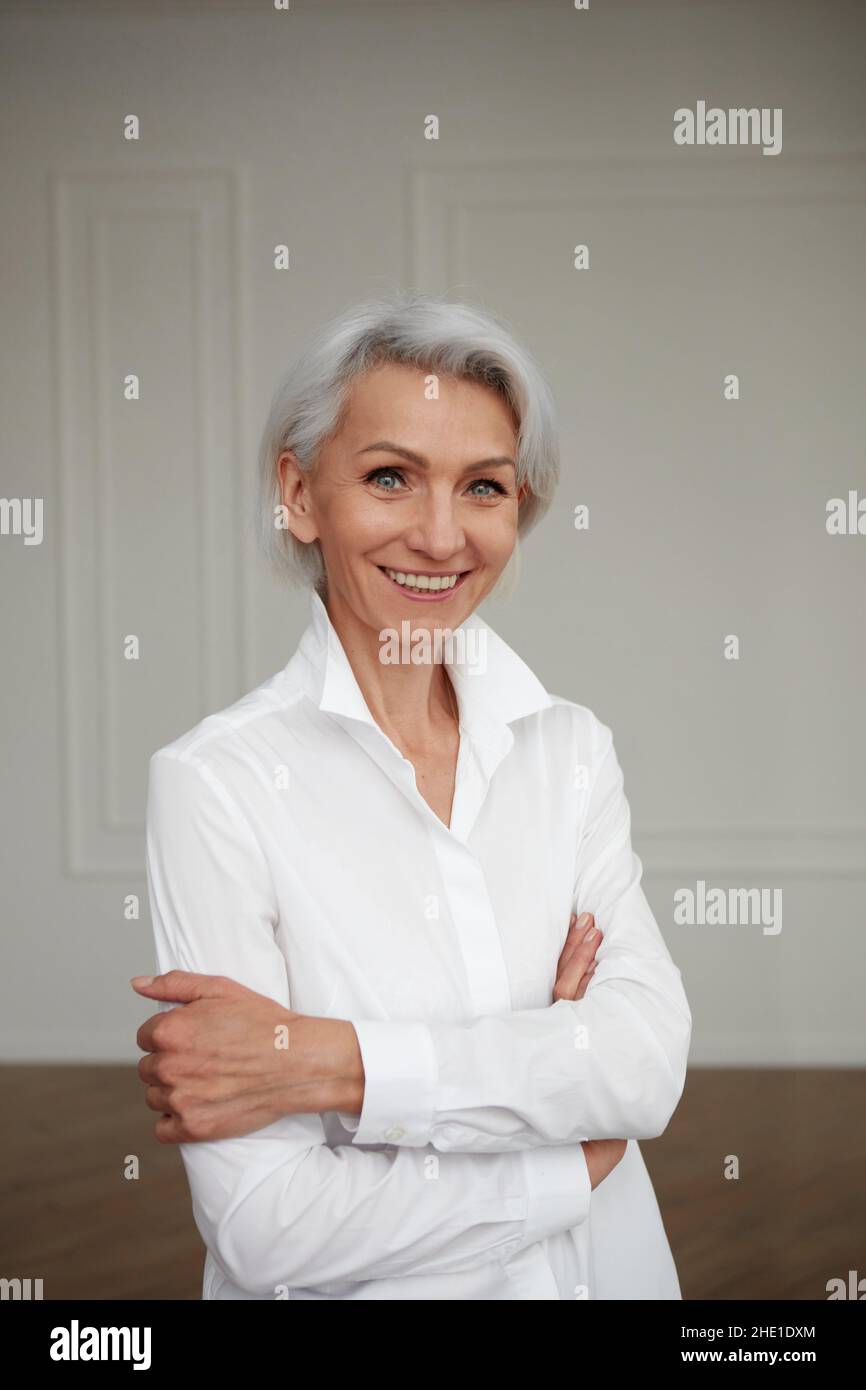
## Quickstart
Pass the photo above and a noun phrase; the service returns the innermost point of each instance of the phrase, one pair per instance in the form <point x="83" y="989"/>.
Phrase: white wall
<point x="707" y="515"/>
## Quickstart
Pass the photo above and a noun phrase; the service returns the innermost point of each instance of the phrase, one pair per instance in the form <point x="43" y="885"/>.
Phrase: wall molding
<point x="92" y="211"/>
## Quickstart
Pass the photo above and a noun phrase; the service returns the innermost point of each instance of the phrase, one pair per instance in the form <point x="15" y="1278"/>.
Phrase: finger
<point x="568" y="988"/>
<point x="144" y="1036"/>
<point x="147" y="1069"/>
<point x="583" y="950"/>
<point x="579" y="962"/>
<point x="587" y="945"/>
<point x="576" y="932"/>
<point x="169" y="1130"/>
<point x="158" y="1098"/>
<point x="182" y="986"/>
<point x="584" y="984"/>
<point x="569" y="937"/>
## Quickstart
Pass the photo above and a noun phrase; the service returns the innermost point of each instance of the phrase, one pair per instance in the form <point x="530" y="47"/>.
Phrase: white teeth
<point x="423" y="581"/>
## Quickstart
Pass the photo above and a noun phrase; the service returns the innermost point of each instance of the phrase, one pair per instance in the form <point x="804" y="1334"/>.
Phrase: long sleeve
<point x="611" y="1065"/>
<point x="279" y="1207"/>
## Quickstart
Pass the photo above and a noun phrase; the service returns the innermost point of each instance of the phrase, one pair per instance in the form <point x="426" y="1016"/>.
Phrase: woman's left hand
<point x="233" y="1061"/>
<point x="576" y="963"/>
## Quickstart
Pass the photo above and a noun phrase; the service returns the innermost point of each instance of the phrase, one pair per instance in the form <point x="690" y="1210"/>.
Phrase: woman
<point x="403" y="1070"/>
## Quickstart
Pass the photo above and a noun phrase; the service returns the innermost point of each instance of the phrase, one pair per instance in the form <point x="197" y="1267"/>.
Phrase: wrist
<point x="352" y="1100"/>
<point x="343" y="1085"/>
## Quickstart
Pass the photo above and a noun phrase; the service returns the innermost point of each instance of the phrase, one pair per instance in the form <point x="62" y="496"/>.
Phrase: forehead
<point x="393" y="401"/>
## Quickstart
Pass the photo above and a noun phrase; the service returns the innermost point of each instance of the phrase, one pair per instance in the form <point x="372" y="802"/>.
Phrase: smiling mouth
<point x="416" y="585"/>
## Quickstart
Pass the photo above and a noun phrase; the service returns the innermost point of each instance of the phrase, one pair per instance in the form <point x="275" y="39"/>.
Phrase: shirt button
<point x="394" y="1133"/>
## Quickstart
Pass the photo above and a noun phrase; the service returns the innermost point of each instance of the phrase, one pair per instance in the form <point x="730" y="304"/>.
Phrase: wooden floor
<point x="794" y="1218"/>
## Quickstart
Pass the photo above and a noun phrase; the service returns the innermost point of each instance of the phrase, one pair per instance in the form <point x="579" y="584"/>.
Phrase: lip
<point x="421" y="595"/>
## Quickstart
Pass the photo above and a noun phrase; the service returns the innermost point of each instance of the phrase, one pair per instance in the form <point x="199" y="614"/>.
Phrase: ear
<point x="295" y="497"/>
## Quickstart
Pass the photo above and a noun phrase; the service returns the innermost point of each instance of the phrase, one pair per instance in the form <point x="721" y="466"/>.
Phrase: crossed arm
<point x="235" y="1060"/>
<point x="504" y="1101"/>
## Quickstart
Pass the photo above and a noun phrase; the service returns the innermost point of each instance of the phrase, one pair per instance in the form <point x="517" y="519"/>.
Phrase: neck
<point x="414" y="705"/>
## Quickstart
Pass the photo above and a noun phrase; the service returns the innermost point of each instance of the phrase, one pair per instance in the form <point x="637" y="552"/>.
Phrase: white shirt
<point x="289" y="848"/>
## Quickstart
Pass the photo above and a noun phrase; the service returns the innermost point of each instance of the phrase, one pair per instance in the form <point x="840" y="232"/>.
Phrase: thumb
<point x="182" y="986"/>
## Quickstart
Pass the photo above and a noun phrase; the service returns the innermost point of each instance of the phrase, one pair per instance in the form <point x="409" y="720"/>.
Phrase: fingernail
<point x="591" y="934"/>
<point x="142" y="980"/>
<point x="583" y="919"/>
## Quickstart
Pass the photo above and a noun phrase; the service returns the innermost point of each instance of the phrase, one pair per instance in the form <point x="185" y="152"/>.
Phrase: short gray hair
<point x="415" y="330"/>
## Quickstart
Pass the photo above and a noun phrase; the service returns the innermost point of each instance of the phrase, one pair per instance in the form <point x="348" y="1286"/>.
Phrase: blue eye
<point x="378" y="473"/>
<point x="489" y="482"/>
<point x="379" y="476"/>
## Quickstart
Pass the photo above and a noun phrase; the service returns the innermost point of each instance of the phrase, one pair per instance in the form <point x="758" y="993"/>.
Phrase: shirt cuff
<point x="400" y="1081"/>
<point x="560" y="1189"/>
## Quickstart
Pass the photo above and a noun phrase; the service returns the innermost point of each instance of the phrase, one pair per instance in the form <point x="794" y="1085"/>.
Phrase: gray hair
<point x="414" y="330"/>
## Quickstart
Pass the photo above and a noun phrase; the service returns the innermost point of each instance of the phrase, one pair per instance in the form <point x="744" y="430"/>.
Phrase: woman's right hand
<point x="602" y="1156"/>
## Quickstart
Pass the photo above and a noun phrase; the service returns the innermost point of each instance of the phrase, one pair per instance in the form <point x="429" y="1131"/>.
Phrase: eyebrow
<point x="385" y="446"/>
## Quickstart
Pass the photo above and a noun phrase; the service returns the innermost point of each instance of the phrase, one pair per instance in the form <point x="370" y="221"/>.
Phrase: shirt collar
<point x="491" y="692"/>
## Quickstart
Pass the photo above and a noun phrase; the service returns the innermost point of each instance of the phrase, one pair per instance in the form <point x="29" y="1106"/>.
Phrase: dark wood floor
<point x="795" y="1218"/>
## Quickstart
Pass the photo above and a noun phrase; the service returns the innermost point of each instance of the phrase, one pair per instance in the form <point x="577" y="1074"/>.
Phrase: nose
<point x="434" y="528"/>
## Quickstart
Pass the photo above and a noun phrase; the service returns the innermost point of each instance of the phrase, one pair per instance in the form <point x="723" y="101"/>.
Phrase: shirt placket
<point x="469" y="900"/>
<point x="481" y="751"/>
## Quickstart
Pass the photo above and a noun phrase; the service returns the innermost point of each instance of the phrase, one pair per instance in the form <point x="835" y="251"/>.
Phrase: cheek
<point x="498" y="537"/>
<point x="354" y="522"/>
